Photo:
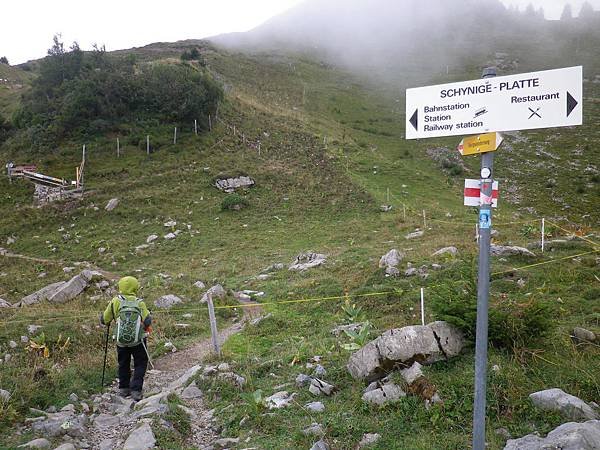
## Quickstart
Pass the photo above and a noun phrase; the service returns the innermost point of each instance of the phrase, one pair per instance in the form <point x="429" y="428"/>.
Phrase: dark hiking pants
<point x="140" y="362"/>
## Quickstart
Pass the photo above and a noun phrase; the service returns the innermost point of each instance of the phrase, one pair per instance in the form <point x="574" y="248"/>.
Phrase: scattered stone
<point x="170" y="236"/>
<point x="507" y="250"/>
<point x="112" y="204"/>
<point x="60" y="423"/>
<point x="503" y="433"/>
<point x="415" y="234"/>
<point x="75" y="286"/>
<point x="279" y="400"/>
<point x="170" y="346"/>
<point x="139" y="248"/>
<point x="258" y="320"/>
<point x="231" y="184"/>
<point x="191" y="392"/>
<point x="199" y="284"/>
<point x="4" y="395"/>
<point x="320" y="371"/>
<point x="106" y="421"/>
<point x="307" y="260"/>
<point x="217" y="291"/>
<point x="263" y="277"/>
<point x="225" y="443"/>
<point x="405" y="346"/>
<point x="568" y="436"/>
<point x="12" y="344"/>
<point x="580" y="335"/>
<point x="32" y="329"/>
<point x="150" y="239"/>
<point x="101" y="250"/>
<point x="43" y="294"/>
<point x="107" y="444"/>
<point x="237" y="380"/>
<point x="167" y="301"/>
<point x="73" y="397"/>
<point x="320" y="445"/>
<point x="568" y="405"/>
<point x="341" y="330"/>
<point x="315" y="429"/>
<point x="66" y="446"/>
<point x="391" y="259"/>
<point x="141" y="438"/>
<point x="170" y="224"/>
<point x="37" y="443"/>
<point x="368" y="440"/>
<point x="385" y="208"/>
<point x="315" y="406"/>
<point x="388" y="393"/>
<point x="320" y="387"/>
<point x="303" y="380"/>
<point x="4" y="304"/>
<point x="24" y="339"/>
<point x="453" y="251"/>
<point x="412" y="373"/>
<point x="274" y="268"/>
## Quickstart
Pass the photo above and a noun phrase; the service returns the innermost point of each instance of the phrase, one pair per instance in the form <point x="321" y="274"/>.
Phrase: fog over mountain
<point x="384" y="35"/>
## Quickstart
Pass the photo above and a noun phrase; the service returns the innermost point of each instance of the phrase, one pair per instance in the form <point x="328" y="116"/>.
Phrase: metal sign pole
<point x="483" y="291"/>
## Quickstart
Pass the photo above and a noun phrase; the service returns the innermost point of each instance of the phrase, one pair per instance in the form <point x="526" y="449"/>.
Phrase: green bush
<point x="234" y="202"/>
<point x="512" y="323"/>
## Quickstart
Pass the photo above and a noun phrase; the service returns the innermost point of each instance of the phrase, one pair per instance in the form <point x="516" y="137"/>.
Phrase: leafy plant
<point x="354" y="314"/>
<point x="360" y="338"/>
<point x="255" y="401"/>
<point x="38" y="346"/>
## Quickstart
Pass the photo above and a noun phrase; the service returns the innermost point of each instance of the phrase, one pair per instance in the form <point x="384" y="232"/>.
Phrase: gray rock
<point x="151" y="411"/>
<point x="224" y="443"/>
<point x="368" y="440"/>
<point x="73" y="397"/>
<point x="112" y="204"/>
<point x="415" y="234"/>
<point x="60" y="423"/>
<point x="231" y="184"/>
<point x="320" y="387"/>
<point x="32" y="329"/>
<point x="12" y="344"/>
<point x="568" y="405"/>
<point x="4" y="304"/>
<point x="391" y="259"/>
<point x="568" y="436"/>
<point x="315" y="429"/>
<point x="37" y="443"/>
<point x="66" y="446"/>
<point x="508" y="250"/>
<point x="320" y="445"/>
<point x="169" y="236"/>
<point x="191" y="392"/>
<point x="392" y="271"/>
<point x="279" y="400"/>
<point x="315" y="406"/>
<point x="341" y="330"/>
<point x="412" y="373"/>
<point x="303" y="380"/>
<point x="388" y="393"/>
<point x="237" y="380"/>
<point x="307" y="260"/>
<point x="107" y="444"/>
<point x="274" y="268"/>
<point x="72" y="288"/>
<point x="4" y="395"/>
<point x="582" y="335"/>
<point x="405" y="345"/>
<point x="43" y="294"/>
<point x="503" y="433"/>
<point x="217" y="291"/>
<point x="446" y="250"/>
<point x="142" y="438"/>
<point x="199" y="284"/>
<point x="106" y="421"/>
<point x="320" y="371"/>
<point x="167" y="301"/>
<point x="150" y="239"/>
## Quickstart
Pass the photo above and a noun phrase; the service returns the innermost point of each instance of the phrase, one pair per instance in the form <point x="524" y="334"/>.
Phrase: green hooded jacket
<point x="128" y="288"/>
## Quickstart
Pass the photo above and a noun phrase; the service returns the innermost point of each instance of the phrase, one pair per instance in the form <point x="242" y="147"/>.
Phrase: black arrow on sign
<point x="571" y="104"/>
<point x="414" y="120"/>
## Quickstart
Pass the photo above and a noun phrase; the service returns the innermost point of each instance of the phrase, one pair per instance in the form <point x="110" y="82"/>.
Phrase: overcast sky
<point x="27" y="26"/>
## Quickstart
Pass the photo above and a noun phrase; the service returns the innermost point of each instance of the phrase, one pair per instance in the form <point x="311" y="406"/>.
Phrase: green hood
<point x="129" y="286"/>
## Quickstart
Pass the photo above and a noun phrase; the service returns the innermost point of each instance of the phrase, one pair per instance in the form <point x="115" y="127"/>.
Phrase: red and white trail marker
<point x="473" y="193"/>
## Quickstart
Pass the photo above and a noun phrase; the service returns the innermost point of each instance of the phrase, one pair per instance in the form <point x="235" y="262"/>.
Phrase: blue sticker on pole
<point x="485" y="219"/>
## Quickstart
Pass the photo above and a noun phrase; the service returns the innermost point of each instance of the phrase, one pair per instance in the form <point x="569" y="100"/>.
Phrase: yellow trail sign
<point x="482" y="143"/>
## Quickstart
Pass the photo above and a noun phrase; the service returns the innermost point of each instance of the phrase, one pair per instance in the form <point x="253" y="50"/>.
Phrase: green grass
<point x="306" y="198"/>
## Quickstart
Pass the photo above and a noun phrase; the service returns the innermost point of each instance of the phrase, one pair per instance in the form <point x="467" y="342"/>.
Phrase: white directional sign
<point x="547" y="99"/>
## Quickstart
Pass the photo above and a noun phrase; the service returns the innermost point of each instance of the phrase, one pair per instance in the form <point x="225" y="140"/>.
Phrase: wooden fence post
<point x="213" y="324"/>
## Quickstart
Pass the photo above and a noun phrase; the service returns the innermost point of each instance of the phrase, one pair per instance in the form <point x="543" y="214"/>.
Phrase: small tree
<point x="586" y="12"/>
<point x="567" y="12"/>
<point x="3" y="60"/>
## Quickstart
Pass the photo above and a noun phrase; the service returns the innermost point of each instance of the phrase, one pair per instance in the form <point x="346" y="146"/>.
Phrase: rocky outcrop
<point x="404" y="346"/>
<point x="231" y="184"/>
<point x="167" y="301"/>
<point x="568" y="436"/>
<point x="4" y="304"/>
<point x="307" y="260"/>
<point x="142" y="438"/>
<point x="391" y="259"/>
<point x="43" y="294"/>
<point x="75" y="286"/>
<point x="567" y="405"/>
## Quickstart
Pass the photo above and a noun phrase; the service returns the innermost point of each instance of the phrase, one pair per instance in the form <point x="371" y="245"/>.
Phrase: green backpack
<point x="129" y="323"/>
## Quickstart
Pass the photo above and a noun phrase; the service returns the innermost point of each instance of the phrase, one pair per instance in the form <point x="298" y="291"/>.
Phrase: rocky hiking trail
<point x="108" y="421"/>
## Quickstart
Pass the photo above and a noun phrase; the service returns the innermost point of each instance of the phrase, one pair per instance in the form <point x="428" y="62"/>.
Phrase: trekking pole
<point x="105" y="354"/>
<point x="147" y="354"/>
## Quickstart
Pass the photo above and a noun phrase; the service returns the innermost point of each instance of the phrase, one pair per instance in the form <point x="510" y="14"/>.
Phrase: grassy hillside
<point x="331" y="153"/>
<point x="13" y="82"/>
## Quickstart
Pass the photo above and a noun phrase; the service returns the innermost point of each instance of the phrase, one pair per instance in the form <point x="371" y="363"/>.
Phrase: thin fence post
<point x="213" y="324"/>
<point x="148" y="144"/>
<point x="543" y="232"/>
<point x="422" y="306"/>
<point x="196" y="127"/>
<point x="118" y="149"/>
<point x="424" y="221"/>
<point x="175" y="136"/>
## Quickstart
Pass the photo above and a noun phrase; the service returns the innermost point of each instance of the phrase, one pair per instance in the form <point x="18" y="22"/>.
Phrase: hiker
<point x="133" y="321"/>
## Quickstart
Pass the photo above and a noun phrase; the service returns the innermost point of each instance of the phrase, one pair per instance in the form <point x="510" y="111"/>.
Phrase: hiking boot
<point x="124" y="392"/>
<point x="136" y="395"/>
